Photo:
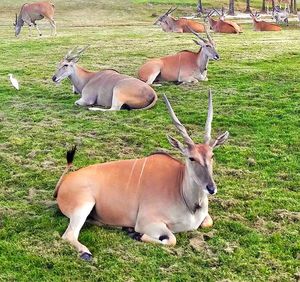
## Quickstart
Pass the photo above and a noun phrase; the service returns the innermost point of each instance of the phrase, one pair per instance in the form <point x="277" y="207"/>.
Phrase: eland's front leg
<point x="156" y="233"/>
<point x="37" y="28"/>
<point x="88" y="97"/>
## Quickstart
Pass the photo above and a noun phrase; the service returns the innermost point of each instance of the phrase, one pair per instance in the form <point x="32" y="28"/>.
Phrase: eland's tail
<point x="70" y="158"/>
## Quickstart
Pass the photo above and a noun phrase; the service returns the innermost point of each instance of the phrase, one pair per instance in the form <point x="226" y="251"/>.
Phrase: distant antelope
<point x="223" y="22"/>
<point x="156" y="195"/>
<point x="185" y="66"/>
<point x="262" y="25"/>
<point x="170" y="24"/>
<point x="30" y="13"/>
<point x="222" y="26"/>
<point x="106" y="88"/>
<point x="281" y="16"/>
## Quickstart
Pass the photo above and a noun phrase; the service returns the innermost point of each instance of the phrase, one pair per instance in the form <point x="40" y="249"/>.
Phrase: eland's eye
<point x="192" y="159"/>
<point x="65" y="66"/>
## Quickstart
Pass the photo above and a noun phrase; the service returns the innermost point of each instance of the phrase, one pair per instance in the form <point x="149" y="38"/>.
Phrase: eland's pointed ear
<point x="221" y="140"/>
<point x="176" y="144"/>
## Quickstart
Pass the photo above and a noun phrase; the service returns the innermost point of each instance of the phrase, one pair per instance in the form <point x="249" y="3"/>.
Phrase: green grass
<point x="256" y="97"/>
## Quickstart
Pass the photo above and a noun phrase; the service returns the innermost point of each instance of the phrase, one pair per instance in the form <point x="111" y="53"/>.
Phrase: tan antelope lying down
<point x="222" y="19"/>
<point x="222" y="26"/>
<point x="106" y="88"/>
<point x="30" y="13"/>
<point x="185" y="66"/>
<point x="155" y="196"/>
<point x="170" y="24"/>
<point x="262" y="25"/>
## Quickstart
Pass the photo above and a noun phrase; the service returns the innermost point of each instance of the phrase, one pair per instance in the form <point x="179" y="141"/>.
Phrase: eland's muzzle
<point x="212" y="189"/>
<point x="54" y="78"/>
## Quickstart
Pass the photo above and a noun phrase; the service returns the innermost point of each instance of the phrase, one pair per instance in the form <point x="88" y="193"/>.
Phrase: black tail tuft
<point x="70" y="155"/>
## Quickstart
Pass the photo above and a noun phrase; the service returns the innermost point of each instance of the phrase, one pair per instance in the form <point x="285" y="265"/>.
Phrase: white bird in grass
<point x="14" y="82"/>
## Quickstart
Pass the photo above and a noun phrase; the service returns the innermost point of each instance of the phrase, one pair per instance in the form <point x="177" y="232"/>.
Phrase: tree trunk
<point x="263" y="8"/>
<point x="199" y="6"/>
<point x="247" y="6"/>
<point x="294" y="6"/>
<point x="231" y="7"/>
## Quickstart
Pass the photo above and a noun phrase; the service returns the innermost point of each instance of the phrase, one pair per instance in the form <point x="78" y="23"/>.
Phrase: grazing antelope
<point x="170" y="24"/>
<point x="185" y="66"/>
<point x="156" y="195"/>
<point x="222" y="26"/>
<point x="30" y="13"/>
<point x="106" y="88"/>
<point x="262" y="25"/>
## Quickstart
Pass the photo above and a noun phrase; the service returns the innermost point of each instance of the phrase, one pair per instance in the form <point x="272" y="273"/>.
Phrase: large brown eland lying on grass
<point x="106" y="88"/>
<point x="30" y="13"/>
<point x="181" y="25"/>
<point x="262" y="25"/>
<point x="185" y="66"/>
<point x="222" y="26"/>
<point x="222" y="19"/>
<point x="155" y="196"/>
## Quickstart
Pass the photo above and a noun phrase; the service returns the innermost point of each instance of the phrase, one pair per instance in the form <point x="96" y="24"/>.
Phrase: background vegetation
<point x="256" y="97"/>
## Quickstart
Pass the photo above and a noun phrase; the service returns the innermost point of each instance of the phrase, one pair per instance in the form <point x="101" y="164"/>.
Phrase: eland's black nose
<point x="211" y="189"/>
<point x="217" y="57"/>
<point x="54" y="78"/>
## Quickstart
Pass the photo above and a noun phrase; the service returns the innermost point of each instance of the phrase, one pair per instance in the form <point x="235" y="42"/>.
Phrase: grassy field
<point x="256" y="98"/>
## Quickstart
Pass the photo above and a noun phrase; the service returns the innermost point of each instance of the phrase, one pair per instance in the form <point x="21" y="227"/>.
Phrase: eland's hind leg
<point x="77" y="219"/>
<point x="53" y="25"/>
<point x="150" y="71"/>
<point x="153" y="76"/>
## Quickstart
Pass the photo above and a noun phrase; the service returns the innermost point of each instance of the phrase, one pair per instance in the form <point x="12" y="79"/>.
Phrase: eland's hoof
<point x="135" y="236"/>
<point x="86" y="256"/>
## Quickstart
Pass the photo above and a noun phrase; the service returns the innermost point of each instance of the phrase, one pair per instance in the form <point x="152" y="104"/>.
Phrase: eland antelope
<point x="262" y="25"/>
<point x="106" y="88"/>
<point x="30" y="13"/>
<point x="185" y="66"/>
<point x="222" y="19"/>
<point x="170" y="24"/>
<point x="155" y="196"/>
<point x="222" y="26"/>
